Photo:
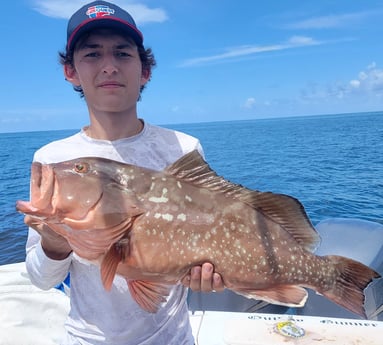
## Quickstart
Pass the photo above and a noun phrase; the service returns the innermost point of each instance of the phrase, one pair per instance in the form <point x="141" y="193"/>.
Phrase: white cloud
<point x="249" y="103"/>
<point x="368" y="84"/>
<point x="355" y="83"/>
<point x="370" y="80"/>
<point x="65" y="8"/>
<point x="302" y="41"/>
<point x="243" y="51"/>
<point x="363" y="75"/>
<point x="332" y="21"/>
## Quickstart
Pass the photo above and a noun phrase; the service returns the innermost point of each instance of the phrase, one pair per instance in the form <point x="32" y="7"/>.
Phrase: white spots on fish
<point x="182" y="217"/>
<point x="237" y="244"/>
<point x="179" y="184"/>
<point x="227" y="233"/>
<point x="124" y="179"/>
<point x="263" y="261"/>
<point x="188" y="198"/>
<point x="165" y="216"/>
<point x="162" y="199"/>
<point x="194" y="240"/>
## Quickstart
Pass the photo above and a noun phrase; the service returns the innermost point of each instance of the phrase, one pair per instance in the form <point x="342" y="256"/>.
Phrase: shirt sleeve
<point x="44" y="272"/>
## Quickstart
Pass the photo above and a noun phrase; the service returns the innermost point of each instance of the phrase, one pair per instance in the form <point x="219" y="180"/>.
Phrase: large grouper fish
<point x="151" y="227"/>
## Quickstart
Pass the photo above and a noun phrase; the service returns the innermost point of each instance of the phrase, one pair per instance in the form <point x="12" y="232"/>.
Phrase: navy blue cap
<point x="101" y="14"/>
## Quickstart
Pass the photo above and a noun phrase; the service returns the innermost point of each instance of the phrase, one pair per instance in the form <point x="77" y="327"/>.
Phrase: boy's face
<point x="108" y="68"/>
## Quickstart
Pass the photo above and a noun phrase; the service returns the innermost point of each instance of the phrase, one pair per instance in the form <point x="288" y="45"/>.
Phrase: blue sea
<point x="333" y="164"/>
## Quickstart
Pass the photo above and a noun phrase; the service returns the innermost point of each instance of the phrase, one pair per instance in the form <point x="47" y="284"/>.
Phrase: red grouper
<point x="151" y="227"/>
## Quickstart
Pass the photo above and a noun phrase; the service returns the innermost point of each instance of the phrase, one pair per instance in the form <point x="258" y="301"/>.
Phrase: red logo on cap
<point x="99" y="11"/>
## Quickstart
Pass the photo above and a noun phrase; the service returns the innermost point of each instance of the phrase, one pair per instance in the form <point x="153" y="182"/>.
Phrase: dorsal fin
<point x="192" y="168"/>
<point x="287" y="211"/>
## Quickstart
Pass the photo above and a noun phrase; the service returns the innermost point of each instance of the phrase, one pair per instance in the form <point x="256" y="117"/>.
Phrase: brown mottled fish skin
<point x="152" y="227"/>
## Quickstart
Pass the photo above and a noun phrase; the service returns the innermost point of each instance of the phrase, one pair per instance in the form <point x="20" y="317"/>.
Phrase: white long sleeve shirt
<point x="112" y="317"/>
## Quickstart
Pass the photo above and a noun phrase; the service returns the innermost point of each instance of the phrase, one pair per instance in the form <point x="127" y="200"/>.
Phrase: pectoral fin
<point x="109" y="265"/>
<point x="286" y="295"/>
<point x="148" y="295"/>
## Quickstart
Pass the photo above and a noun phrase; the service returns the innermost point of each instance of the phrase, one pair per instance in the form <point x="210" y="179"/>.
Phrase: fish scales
<point x="151" y="227"/>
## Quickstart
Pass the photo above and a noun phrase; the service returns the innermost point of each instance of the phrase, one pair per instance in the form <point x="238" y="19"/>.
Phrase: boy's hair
<point x="147" y="58"/>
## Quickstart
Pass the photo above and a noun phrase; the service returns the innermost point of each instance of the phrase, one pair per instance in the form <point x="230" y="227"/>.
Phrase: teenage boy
<point x="105" y="60"/>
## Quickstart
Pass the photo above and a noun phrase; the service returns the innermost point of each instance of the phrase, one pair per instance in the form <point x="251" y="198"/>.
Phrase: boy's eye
<point x="122" y="54"/>
<point x="91" y="54"/>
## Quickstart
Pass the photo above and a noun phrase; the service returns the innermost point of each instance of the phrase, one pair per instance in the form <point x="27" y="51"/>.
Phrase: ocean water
<point x="333" y="164"/>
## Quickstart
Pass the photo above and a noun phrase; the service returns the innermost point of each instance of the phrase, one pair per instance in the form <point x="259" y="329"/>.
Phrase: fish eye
<point x="81" y="168"/>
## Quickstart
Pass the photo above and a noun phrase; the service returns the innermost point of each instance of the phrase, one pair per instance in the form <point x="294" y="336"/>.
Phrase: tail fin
<point x="353" y="278"/>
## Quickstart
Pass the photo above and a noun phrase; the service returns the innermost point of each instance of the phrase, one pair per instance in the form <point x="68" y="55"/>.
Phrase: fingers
<point x="206" y="281"/>
<point x="202" y="278"/>
<point x="34" y="223"/>
<point x="54" y="245"/>
<point x="218" y="285"/>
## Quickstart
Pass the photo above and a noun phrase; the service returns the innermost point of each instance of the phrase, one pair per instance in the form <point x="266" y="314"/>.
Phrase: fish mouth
<point x="42" y="191"/>
<point x="45" y="186"/>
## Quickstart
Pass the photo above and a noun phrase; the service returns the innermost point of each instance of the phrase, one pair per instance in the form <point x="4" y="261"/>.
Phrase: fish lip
<point x="42" y="188"/>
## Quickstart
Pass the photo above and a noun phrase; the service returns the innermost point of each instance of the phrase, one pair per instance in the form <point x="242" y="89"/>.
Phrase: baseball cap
<point x="101" y="14"/>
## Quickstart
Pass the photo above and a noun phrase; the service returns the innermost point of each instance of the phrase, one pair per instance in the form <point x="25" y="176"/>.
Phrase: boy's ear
<point x="71" y="75"/>
<point x="145" y="76"/>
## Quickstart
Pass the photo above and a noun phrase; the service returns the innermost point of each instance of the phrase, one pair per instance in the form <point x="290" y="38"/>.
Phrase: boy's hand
<point x="55" y="246"/>
<point x="203" y="278"/>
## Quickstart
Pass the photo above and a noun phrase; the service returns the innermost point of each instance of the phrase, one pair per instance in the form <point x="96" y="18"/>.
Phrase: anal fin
<point x="286" y="295"/>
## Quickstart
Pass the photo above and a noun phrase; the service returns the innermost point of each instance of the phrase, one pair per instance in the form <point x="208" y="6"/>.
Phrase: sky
<point x="216" y="60"/>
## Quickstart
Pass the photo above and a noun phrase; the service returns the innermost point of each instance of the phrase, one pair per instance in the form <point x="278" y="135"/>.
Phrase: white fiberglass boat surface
<point x="30" y="316"/>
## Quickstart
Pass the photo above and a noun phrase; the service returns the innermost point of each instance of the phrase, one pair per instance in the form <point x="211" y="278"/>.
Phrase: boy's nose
<point x="109" y="65"/>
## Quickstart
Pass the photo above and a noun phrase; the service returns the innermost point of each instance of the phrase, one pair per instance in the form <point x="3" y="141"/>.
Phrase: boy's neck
<point x="113" y="129"/>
